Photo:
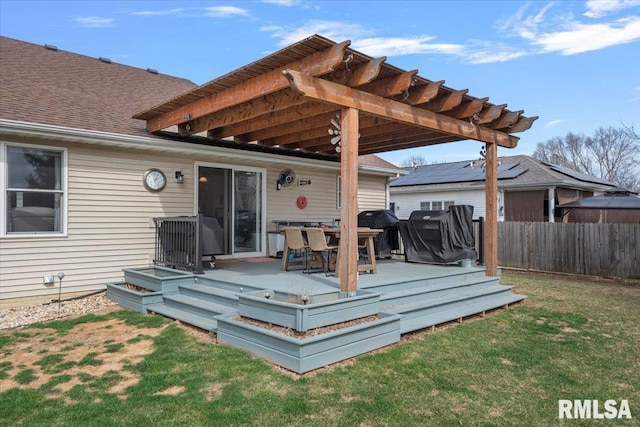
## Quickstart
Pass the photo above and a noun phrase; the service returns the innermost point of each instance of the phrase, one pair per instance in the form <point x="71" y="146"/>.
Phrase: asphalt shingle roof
<point x="55" y="87"/>
<point x="61" y="88"/>
<point x="519" y="170"/>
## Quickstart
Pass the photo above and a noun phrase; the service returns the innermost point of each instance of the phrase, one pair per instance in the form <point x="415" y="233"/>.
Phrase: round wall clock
<point x="154" y="179"/>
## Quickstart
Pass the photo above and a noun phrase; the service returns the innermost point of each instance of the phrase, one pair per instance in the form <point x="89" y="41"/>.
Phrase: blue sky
<point x="574" y="64"/>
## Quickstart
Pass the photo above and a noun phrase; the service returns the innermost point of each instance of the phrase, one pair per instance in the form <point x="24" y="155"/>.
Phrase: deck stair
<point x="435" y="300"/>
<point x="197" y="304"/>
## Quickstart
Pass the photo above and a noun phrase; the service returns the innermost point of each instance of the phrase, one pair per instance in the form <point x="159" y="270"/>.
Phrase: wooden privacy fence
<point x="608" y="250"/>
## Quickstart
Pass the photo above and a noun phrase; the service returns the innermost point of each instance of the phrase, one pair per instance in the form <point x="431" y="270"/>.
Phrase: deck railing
<point x="178" y="243"/>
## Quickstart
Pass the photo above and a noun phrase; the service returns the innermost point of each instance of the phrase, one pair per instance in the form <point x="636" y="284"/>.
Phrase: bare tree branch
<point x="413" y="161"/>
<point x="611" y="153"/>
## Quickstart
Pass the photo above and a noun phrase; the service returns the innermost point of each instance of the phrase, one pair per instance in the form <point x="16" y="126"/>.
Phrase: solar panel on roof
<point x="446" y="173"/>
<point x="577" y="175"/>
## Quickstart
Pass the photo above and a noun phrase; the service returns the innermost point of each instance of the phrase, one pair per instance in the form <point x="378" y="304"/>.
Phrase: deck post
<point x="491" y="202"/>
<point x="348" y="251"/>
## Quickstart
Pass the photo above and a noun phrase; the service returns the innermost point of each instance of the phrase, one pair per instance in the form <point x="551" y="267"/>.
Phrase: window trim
<point x="444" y="203"/>
<point x="4" y="185"/>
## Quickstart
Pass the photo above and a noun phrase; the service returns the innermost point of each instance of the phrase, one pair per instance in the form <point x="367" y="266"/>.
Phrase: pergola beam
<point x="325" y="91"/>
<point x="523" y="124"/>
<point x="361" y="74"/>
<point x="313" y="65"/>
<point x="469" y="108"/>
<point x="424" y="94"/>
<point x="507" y="119"/>
<point x="312" y="117"/>
<point x="491" y="113"/>
<point x="392" y="86"/>
<point x="446" y="102"/>
<point x="271" y="103"/>
<point x="393" y="145"/>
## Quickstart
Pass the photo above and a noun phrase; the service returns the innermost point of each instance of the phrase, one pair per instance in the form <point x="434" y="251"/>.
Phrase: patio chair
<point x="318" y="245"/>
<point x="362" y="249"/>
<point x="294" y="243"/>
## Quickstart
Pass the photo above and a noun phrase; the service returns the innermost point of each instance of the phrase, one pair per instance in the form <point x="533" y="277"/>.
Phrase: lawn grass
<point x="572" y="339"/>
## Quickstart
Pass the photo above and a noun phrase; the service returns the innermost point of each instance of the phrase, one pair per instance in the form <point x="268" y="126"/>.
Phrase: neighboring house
<point x="528" y="189"/>
<point x="614" y="206"/>
<point x="73" y="160"/>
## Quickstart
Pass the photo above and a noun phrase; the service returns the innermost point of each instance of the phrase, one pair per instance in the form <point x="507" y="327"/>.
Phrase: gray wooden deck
<point x="411" y="297"/>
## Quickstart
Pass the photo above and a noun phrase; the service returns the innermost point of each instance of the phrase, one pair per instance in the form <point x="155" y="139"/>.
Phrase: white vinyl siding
<point x="109" y="223"/>
<point x="372" y="193"/>
<point x="110" y="216"/>
<point x="409" y="202"/>
<point x="320" y="194"/>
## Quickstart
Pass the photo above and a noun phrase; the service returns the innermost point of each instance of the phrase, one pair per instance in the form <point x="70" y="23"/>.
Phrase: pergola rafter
<point x="289" y="99"/>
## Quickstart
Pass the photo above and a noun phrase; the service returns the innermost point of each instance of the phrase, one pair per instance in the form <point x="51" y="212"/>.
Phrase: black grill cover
<point x="384" y="220"/>
<point x="439" y="236"/>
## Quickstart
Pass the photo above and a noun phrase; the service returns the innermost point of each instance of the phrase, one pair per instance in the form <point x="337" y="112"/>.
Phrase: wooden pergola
<point x="318" y="96"/>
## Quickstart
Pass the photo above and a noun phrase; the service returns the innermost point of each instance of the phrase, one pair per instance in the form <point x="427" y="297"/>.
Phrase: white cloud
<point x="482" y="52"/>
<point x="579" y="38"/>
<point x="600" y="8"/>
<point x="565" y="34"/>
<point x="553" y="123"/>
<point x="286" y="3"/>
<point x="211" y="12"/>
<point x="398" y="46"/>
<point x="177" y="11"/>
<point x="333" y="30"/>
<point x="225" y="11"/>
<point x="93" y="21"/>
<point x="533" y="29"/>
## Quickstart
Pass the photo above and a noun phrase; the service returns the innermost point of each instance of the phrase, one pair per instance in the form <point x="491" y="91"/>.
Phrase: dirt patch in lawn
<point x="89" y="351"/>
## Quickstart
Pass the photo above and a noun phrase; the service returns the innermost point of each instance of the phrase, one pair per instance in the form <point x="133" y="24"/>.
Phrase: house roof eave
<point x="44" y="132"/>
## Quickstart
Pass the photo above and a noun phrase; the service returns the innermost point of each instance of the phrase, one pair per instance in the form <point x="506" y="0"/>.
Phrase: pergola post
<point x="348" y="251"/>
<point x="491" y="203"/>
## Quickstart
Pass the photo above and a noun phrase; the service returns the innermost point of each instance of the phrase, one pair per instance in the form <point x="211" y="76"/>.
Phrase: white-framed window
<point x="33" y="187"/>
<point x="437" y="205"/>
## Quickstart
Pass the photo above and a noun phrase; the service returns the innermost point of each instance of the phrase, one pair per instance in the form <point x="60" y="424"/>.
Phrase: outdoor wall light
<point x="60" y="276"/>
<point x="179" y="177"/>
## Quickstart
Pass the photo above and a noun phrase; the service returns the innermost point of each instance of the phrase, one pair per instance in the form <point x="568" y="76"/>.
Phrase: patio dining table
<point x="365" y="234"/>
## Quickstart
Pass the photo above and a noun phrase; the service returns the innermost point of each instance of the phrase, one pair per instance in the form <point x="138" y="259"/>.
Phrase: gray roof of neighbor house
<point x="49" y="86"/>
<point x="618" y="198"/>
<point x="518" y="171"/>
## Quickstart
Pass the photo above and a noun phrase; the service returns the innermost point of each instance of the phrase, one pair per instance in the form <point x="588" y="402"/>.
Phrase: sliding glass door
<point x="247" y="195"/>
<point x="233" y="197"/>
